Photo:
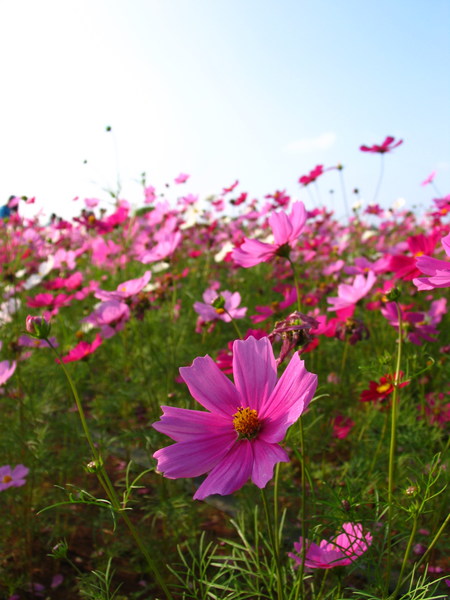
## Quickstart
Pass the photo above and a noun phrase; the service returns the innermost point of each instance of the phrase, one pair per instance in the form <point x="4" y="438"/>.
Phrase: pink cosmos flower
<point x="386" y="146"/>
<point x="342" y="426"/>
<point x="341" y="551"/>
<point x="226" y="309"/>
<point x="110" y="316"/>
<point x="238" y="435"/>
<point x="82" y="350"/>
<point x="286" y="230"/>
<point x="6" y="370"/>
<point x="429" y="179"/>
<point x="126" y="289"/>
<point x="182" y="178"/>
<point x="12" y="477"/>
<point x="438" y="271"/>
<point x="312" y="175"/>
<point x="349" y="295"/>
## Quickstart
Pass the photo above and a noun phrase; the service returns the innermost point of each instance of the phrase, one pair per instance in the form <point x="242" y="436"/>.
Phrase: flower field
<point x="226" y="398"/>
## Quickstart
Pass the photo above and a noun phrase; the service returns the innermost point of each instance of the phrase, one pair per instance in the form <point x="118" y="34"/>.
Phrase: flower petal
<point x="266" y="456"/>
<point x="182" y="424"/>
<point x="230" y="474"/>
<point x="255" y="371"/>
<point x="210" y="387"/>
<point x="289" y="399"/>
<point x="193" y="458"/>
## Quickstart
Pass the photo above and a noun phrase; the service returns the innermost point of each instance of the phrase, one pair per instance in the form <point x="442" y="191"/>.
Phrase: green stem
<point x="392" y="447"/>
<point x="105" y="481"/>
<point x="272" y="527"/>
<point x="296" y="283"/>
<point x="303" y="507"/>
<point x="235" y="325"/>
<point x="406" y="556"/>
<point x="379" y="180"/>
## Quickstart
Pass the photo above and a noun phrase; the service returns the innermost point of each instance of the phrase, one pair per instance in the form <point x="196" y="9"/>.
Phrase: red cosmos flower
<point x="379" y="390"/>
<point x="312" y="176"/>
<point x="386" y="146"/>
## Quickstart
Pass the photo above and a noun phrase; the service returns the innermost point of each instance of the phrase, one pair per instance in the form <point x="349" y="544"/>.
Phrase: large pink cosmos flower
<point x="438" y="271"/>
<point x="349" y="295"/>
<point x="238" y="436"/>
<point x="341" y="551"/>
<point x="386" y="146"/>
<point x="285" y="228"/>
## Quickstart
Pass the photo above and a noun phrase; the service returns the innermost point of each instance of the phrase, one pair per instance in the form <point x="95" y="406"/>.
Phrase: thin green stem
<point x="105" y="481"/>
<point x="406" y="556"/>
<point x="392" y="446"/>
<point x="235" y="325"/>
<point x="272" y="527"/>
<point x="303" y="507"/>
<point x="380" y="179"/>
<point x="296" y="283"/>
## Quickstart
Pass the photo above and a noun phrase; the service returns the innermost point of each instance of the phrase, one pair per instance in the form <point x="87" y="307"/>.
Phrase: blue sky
<point x="255" y="90"/>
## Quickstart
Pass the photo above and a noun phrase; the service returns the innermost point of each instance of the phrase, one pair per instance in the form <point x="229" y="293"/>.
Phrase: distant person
<point x="12" y="206"/>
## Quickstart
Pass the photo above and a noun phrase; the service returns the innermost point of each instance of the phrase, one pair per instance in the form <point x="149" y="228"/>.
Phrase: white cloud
<point x="306" y="145"/>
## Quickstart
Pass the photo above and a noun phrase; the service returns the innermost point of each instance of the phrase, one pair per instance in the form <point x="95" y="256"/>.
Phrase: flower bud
<point x="38" y="327"/>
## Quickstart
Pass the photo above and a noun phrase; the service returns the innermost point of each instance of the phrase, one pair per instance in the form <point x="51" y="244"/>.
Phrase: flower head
<point x="222" y="306"/>
<point x="341" y="551"/>
<point x="386" y="146"/>
<point x="286" y="230"/>
<point x="438" y="271"/>
<point x="238" y="435"/>
<point x="38" y="327"/>
<point x="12" y="477"/>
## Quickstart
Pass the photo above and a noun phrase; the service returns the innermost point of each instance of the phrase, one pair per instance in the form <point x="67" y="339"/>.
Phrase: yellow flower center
<point x="6" y="479"/>
<point x="383" y="388"/>
<point x="246" y="422"/>
<point x="220" y="311"/>
<point x="420" y="253"/>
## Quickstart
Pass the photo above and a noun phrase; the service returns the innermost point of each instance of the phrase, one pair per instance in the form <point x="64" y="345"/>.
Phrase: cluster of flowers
<point x="237" y="436"/>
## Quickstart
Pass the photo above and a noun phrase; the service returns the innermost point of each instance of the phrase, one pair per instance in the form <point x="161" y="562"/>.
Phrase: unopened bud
<point x="38" y="327"/>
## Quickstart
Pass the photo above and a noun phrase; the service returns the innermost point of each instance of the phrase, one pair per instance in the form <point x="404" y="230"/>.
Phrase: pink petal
<point x="210" y="387"/>
<point x="266" y="456"/>
<point x="193" y="458"/>
<point x="253" y="252"/>
<point x="289" y="399"/>
<point x="255" y="370"/>
<point x="229" y="474"/>
<point x="182" y="424"/>
<point x="281" y="227"/>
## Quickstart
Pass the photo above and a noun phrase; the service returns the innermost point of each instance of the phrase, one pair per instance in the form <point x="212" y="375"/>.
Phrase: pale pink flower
<point x="286" y="230"/>
<point x="182" y="178"/>
<point x="350" y="294"/>
<point x="12" y="477"/>
<point x="126" y="289"/>
<point x="6" y="370"/>
<point x="429" y="179"/>
<point x="341" y="551"/>
<point x="226" y="309"/>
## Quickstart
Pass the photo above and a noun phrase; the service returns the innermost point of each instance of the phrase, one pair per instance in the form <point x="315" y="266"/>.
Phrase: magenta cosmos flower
<point x="438" y="271"/>
<point x="286" y="230"/>
<point x="238" y="435"/>
<point x="12" y="477"/>
<point x="341" y="551"/>
<point x="386" y="146"/>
